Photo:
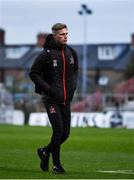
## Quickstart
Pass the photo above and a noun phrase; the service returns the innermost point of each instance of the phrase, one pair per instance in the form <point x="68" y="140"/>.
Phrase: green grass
<point x="86" y="152"/>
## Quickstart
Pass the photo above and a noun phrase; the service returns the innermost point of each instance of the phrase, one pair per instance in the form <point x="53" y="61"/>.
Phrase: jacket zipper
<point x="64" y="73"/>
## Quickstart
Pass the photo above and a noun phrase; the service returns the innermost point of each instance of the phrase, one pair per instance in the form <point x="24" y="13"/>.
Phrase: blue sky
<point x="111" y="20"/>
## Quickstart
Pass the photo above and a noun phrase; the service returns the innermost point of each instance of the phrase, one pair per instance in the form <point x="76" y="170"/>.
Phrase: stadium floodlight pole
<point x="84" y="11"/>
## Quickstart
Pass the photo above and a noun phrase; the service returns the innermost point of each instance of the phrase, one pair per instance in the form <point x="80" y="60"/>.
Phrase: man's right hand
<point x="56" y="94"/>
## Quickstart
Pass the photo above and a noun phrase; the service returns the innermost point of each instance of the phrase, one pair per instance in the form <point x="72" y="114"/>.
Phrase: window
<point x="106" y="53"/>
<point x="16" y="52"/>
<point x="110" y="52"/>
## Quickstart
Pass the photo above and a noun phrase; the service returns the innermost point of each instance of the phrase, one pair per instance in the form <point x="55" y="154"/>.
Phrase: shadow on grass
<point x="14" y="173"/>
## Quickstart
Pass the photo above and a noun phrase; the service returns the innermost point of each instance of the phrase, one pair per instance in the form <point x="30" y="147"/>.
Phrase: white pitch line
<point x="117" y="171"/>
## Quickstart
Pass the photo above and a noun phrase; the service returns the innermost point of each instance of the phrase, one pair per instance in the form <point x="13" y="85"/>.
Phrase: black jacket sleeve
<point x="75" y="71"/>
<point x="75" y="77"/>
<point x="37" y="69"/>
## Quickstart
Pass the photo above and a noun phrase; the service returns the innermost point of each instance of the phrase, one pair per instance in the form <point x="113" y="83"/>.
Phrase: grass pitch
<point x="90" y="153"/>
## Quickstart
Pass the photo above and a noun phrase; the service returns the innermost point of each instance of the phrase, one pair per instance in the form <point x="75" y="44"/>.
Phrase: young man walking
<point x="54" y="73"/>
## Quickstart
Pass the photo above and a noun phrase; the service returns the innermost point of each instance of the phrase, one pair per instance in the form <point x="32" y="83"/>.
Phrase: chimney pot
<point x="132" y="40"/>
<point x="2" y="37"/>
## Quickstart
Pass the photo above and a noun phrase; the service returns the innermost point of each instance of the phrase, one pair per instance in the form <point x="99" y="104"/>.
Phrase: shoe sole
<point x="58" y="172"/>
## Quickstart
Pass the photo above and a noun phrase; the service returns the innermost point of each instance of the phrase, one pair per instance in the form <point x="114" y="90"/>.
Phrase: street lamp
<point x="84" y="11"/>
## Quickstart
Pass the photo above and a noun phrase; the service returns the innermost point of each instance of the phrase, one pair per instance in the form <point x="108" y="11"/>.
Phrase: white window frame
<point x="106" y="53"/>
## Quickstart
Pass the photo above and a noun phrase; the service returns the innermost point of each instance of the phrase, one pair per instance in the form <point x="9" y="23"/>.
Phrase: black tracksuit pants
<point x="59" y="117"/>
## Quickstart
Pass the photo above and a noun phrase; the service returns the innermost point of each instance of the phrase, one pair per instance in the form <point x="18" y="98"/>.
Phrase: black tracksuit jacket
<point x="54" y="72"/>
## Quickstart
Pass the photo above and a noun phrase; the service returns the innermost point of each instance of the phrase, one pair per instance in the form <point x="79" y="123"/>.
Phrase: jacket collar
<point x="51" y="43"/>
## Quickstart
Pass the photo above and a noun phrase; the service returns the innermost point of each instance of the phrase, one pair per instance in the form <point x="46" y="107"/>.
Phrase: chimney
<point x="41" y="39"/>
<point x="132" y="41"/>
<point x="2" y="37"/>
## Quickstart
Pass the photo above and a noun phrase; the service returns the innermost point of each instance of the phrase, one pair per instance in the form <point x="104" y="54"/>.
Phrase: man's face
<point x="61" y="36"/>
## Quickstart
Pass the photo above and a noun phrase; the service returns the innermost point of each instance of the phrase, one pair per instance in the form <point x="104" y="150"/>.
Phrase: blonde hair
<point x="58" y="26"/>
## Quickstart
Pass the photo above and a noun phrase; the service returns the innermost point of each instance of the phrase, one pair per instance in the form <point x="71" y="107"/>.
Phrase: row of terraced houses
<point x="106" y="62"/>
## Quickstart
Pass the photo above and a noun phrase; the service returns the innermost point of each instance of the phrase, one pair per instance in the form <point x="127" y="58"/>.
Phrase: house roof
<point x="99" y="56"/>
<point x="106" y="56"/>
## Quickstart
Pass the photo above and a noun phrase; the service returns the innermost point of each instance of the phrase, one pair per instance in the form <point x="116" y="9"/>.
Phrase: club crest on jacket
<point x="52" y="109"/>
<point x="54" y="62"/>
<point x="71" y="60"/>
